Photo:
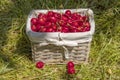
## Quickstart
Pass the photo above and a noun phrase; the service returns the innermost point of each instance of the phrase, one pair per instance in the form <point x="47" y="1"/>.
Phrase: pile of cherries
<point x="67" y="22"/>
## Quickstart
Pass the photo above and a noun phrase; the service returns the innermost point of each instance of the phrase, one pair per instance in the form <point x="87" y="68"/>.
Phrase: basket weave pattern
<point x="51" y="54"/>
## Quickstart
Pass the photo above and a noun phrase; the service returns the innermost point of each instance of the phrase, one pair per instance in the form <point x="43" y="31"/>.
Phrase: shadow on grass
<point x="23" y="46"/>
<point x="67" y="76"/>
<point x="12" y="10"/>
<point x="5" y="58"/>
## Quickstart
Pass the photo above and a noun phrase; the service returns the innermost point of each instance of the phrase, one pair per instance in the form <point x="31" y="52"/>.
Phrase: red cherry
<point x="68" y="12"/>
<point x="64" y="18"/>
<point x="71" y="71"/>
<point x="38" y="27"/>
<point x="48" y="24"/>
<point x="73" y="27"/>
<point x="44" y="29"/>
<point x="75" y="24"/>
<point x="59" y="29"/>
<point x="53" y="19"/>
<point x="74" y="18"/>
<point x="70" y="21"/>
<point x="50" y="29"/>
<point x="33" y="27"/>
<point x="50" y="13"/>
<point x="80" y="23"/>
<point x="86" y="24"/>
<point x="74" y="30"/>
<point x="79" y="17"/>
<point x="70" y="64"/>
<point x="54" y="27"/>
<point x="34" y="21"/>
<point x="85" y="18"/>
<point x="62" y="23"/>
<point x="40" y="64"/>
<point x="65" y="29"/>
<point x="57" y="15"/>
<point x="41" y="21"/>
<point x="75" y="14"/>
<point x="40" y="15"/>
<point x="86" y="28"/>
<point x="83" y="30"/>
<point x="79" y="28"/>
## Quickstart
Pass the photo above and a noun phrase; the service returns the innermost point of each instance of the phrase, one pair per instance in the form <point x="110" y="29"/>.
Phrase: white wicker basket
<point x="47" y="47"/>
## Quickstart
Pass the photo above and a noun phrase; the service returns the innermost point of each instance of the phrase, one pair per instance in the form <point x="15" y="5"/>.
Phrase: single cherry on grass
<point x="40" y="65"/>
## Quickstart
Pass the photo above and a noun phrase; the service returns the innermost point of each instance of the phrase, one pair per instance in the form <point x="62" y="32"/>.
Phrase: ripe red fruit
<point x="33" y="27"/>
<point x="54" y="27"/>
<point x="48" y="24"/>
<point x="86" y="24"/>
<point x="85" y="18"/>
<point x="79" y="28"/>
<point x="80" y="23"/>
<point x="38" y="27"/>
<point x="50" y="13"/>
<point x="34" y="21"/>
<point x="74" y="30"/>
<point x="70" y="64"/>
<point x="68" y="12"/>
<point x="86" y="28"/>
<point x="70" y="21"/>
<point x="50" y="29"/>
<point x="65" y="22"/>
<point x="59" y="29"/>
<point x="41" y="21"/>
<point x="44" y="29"/>
<point x="73" y="27"/>
<point x="64" y="18"/>
<point x="57" y="15"/>
<point x="75" y="24"/>
<point x="40" y="15"/>
<point x="75" y="14"/>
<point x="79" y="17"/>
<point x="62" y="23"/>
<point x="65" y="29"/>
<point x="53" y="19"/>
<point x="71" y="70"/>
<point x="40" y="64"/>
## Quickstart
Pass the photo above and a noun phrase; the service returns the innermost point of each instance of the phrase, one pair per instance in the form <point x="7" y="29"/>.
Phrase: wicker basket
<point x="53" y="53"/>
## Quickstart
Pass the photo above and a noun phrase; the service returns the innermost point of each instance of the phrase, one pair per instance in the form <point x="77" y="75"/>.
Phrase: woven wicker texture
<point x="51" y="54"/>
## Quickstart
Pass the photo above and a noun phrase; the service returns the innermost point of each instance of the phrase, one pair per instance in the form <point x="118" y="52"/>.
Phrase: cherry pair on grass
<point x="70" y="66"/>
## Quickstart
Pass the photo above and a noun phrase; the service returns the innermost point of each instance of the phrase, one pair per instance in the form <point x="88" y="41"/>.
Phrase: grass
<point x="15" y="50"/>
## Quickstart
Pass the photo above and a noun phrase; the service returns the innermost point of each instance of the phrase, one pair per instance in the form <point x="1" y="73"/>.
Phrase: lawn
<point x="15" y="51"/>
